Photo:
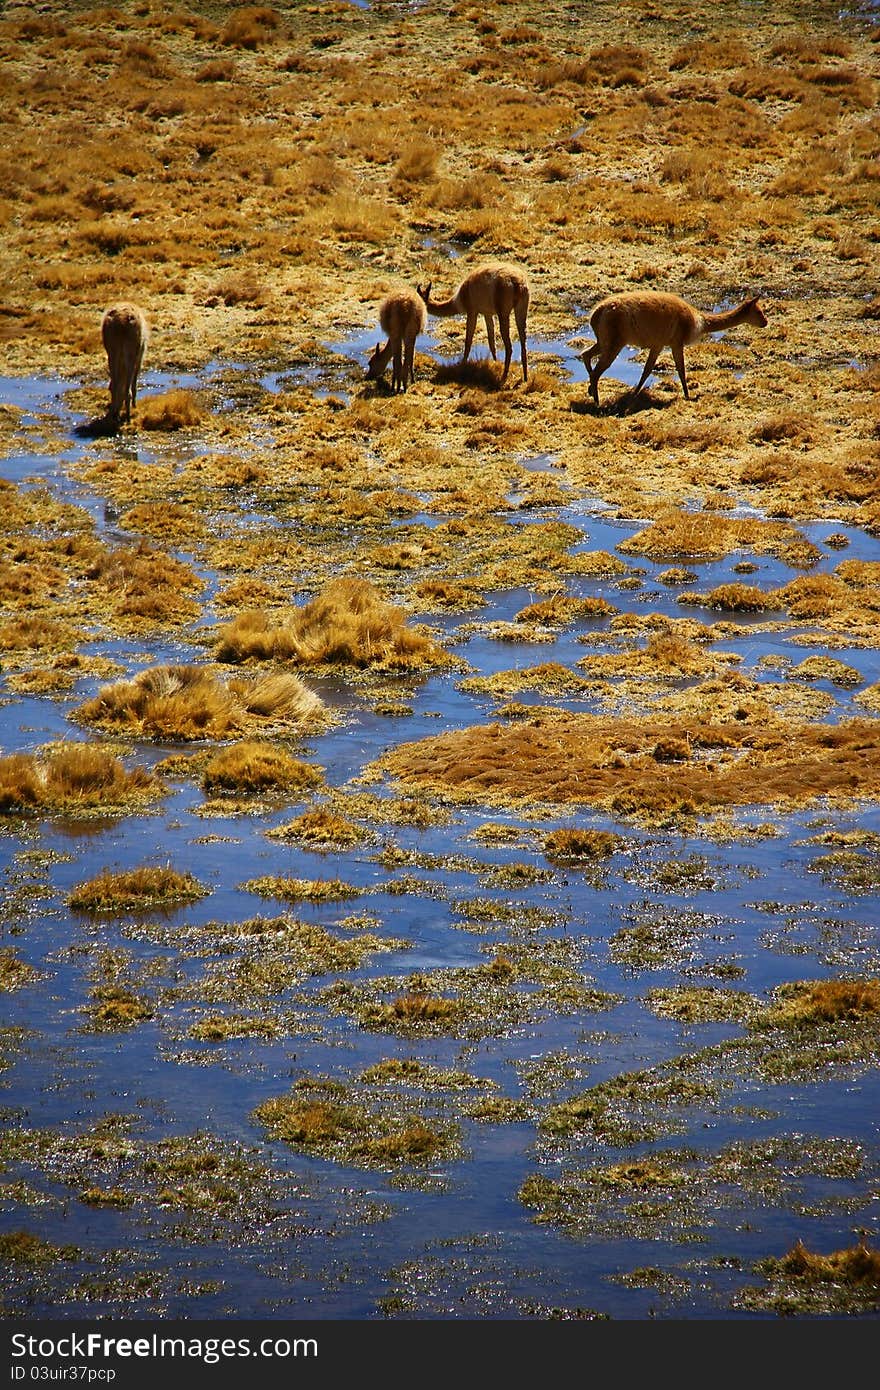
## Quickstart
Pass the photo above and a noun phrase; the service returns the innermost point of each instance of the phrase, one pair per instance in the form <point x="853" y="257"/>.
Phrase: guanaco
<point x="124" y="333"/>
<point x="655" y="320"/>
<point x="495" y="291"/>
<point x="403" y="316"/>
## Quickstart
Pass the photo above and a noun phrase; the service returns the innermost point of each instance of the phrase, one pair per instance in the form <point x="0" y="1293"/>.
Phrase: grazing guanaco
<point x="655" y="320"/>
<point x="124" y="333"/>
<point x="402" y="316"/>
<point x="495" y="291"/>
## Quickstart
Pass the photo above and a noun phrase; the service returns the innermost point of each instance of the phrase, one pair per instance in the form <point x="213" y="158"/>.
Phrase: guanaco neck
<point x="725" y="318"/>
<point x="443" y="307"/>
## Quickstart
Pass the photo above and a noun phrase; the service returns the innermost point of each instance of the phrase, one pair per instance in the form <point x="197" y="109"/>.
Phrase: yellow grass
<point x="131" y="889"/>
<point x="72" y="777"/>
<point x="349" y="623"/>
<point x="190" y="702"/>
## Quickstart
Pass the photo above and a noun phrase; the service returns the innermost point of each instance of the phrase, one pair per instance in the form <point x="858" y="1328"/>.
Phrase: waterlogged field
<point x="439" y="831"/>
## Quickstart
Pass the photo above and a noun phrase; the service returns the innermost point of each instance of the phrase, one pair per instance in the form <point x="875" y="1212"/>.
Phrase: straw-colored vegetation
<point x="250" y="768"/>
<point x="634" y="767"/>
<point x="191" y="702"/>
<point x="259" y="179"/>
<point x="132" y="889"/>
<point x="73" y="778"/>
<point x="349" y="623"/>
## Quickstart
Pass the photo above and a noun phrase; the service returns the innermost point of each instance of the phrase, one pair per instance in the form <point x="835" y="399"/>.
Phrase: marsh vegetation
<point x="438" y="827"/>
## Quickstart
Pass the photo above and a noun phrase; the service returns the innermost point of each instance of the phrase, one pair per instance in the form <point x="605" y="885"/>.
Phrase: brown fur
<point x="655" y="320"/>
<point x="124" y="333"/>
<point x="494" y="291"/>
<point x="402" y="316"/>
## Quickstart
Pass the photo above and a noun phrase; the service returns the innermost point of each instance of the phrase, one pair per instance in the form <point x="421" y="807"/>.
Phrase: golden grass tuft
<point x="250" y="27"/>
<point x="251" y="768"/>
<point x="857" y="1265"/>
<point x="172" y="410"/>
<point x="189" y="702"/>
<point x="560" y="610"/>
<point x="310" y="1123"/>
<point x="735" y="598"/>
<point x="807" y="1002"/>
<point x="414" y="1141"/>
<point x="35" y="633"/>
<point x="348" y="623"/>
<point x="132" y="889"/>
<point x="573" y="845"/>
<point x="72" y="777"/>
<point x="302" y="890"/>
<point x="320" y="829"/>
<point x="14" y="972"/>
<point x="414" y="1010"/>
<point x="677" y="534"/>
<point x="117" y="1008"/>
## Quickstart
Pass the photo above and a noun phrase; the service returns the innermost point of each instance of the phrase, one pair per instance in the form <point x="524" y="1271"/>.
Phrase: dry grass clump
<point x="302" y="890"/>
<point x="72" y="777"/>
<point x="827" y="668"/>
<point x="308" y="1123"/>
<point x="189" y="702"/>
<point x="225" y="1027"/>
<point x="711" y="536"/>
<point x="859" y="1265"/>
<point x="447" y="596"/>
<point x="250" y="27"/>
<point x="320" y="829"/>
<point x="560" y="610"/>
<point x="701" y="1004"/>
<point x="133" y="889"/>
<point x="348" y="623"/>
<point x="413" y="1011"/>
<point x="36" y="633"/>
<point x="139" y="588"/>
<point x="251" y="768"/>
<point x="173" y="410"/>
<point x="573" y="845"/>
<point x="666" y="656"/>
<point x="550" y="678"/>
<point x="582" y="759"/>
<point x="165" y="521"/>
<point x="806" y="1002"/>
<point x="116" y="1008"/>
<point x="736" y="598"/>
<point x="14" y="972"/>
<point x="339" y="1128"/>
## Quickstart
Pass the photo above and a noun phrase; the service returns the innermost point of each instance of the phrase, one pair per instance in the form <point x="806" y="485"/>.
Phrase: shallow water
<point x="325" y="1240"/>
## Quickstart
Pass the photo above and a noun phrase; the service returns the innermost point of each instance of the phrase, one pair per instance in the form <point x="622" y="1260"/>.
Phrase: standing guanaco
<point x="494" y="291"/>
<point x="124" y="333"/>
<point x="655" y="320"/>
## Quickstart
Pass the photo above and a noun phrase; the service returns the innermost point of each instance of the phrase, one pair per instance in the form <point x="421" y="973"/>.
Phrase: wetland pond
<point x="399" y="1052"/>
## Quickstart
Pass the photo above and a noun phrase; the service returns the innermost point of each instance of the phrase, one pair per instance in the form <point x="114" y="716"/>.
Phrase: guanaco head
<point x="756" y="316"/>
<point x="424" y="292"/>
<point x="374" y="369"/>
